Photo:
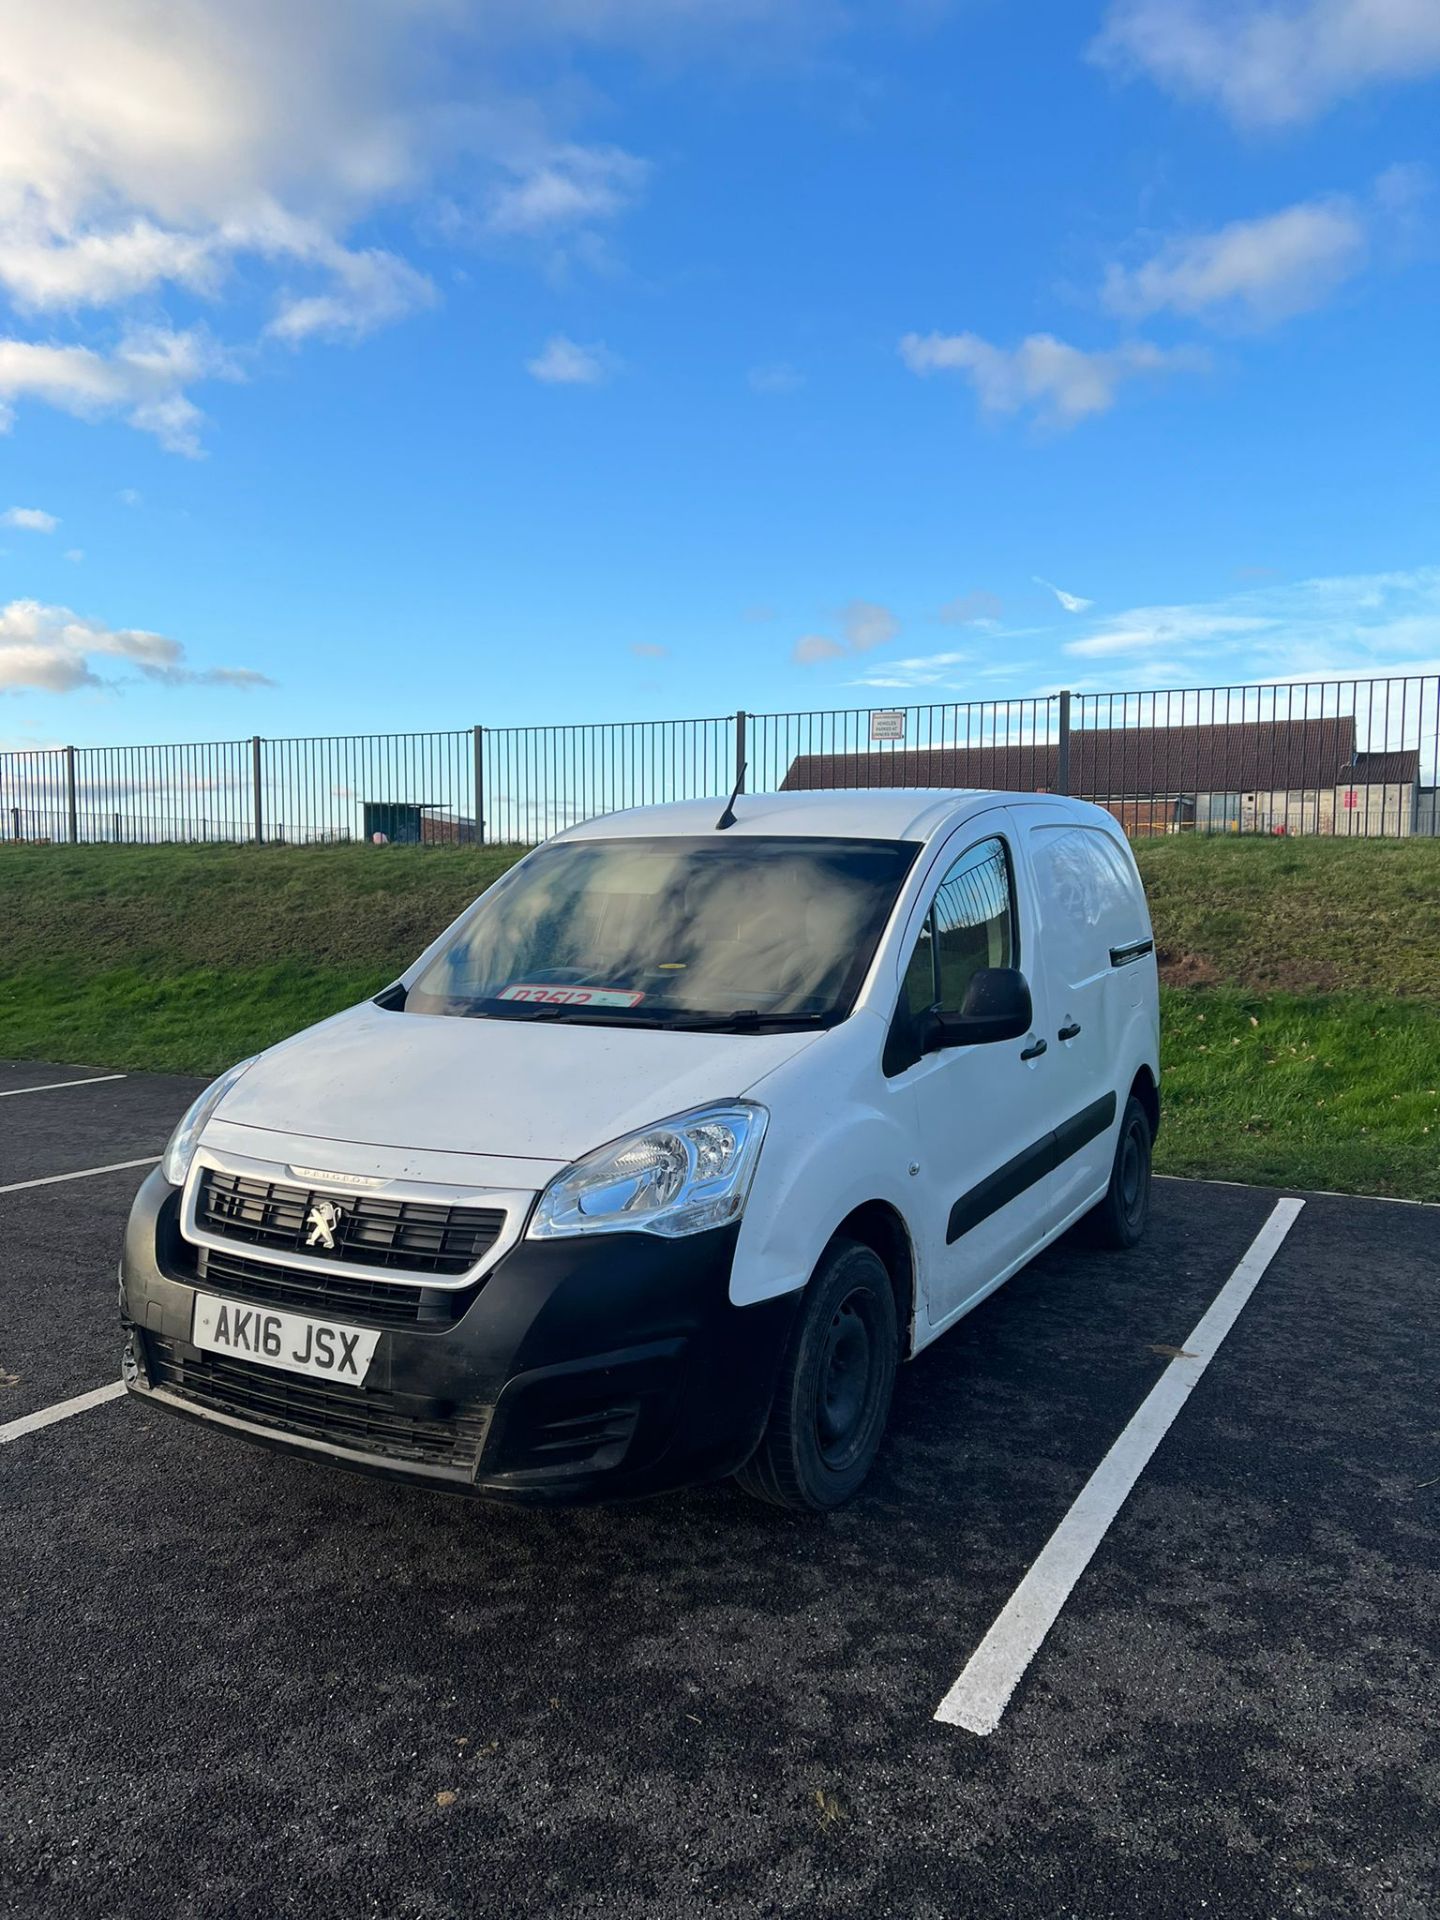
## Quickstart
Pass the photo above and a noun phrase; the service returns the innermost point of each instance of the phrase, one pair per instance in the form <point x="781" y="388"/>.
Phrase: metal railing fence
<point x="1339" y="756"/>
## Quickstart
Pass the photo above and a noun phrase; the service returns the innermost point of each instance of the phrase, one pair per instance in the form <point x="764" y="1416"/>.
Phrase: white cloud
<point x="812" y="648"/>
<point x="1063" y="384"/>
<point x="1269" y="64"/>
<point x="49" y="649"/>
<point x="565" y="363"/>
<point x="1145" y="629"/>
<point x="75" y="555"/>
<point x="565" y="186"/>
<point x="365" y="291"/>
<point x="927" y="670"/>
<point x="866" y="624"/>
<point x="31" y="519"/>
<point x="1262" y="270"/>
<point x="971" y="610"/>
<point x="155" y="147"/>
<point x="143" y="381"/>
<point x="195" y="149"/>
<point x="1353" y="624"/>
<point x="1071" y="602"/>
<point x="130" y="497"/>
<point x="100" y="269"/>
<point x="648" y="650"/>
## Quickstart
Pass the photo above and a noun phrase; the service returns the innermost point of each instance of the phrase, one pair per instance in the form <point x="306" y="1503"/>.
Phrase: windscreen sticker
<point x="572" y="996"/>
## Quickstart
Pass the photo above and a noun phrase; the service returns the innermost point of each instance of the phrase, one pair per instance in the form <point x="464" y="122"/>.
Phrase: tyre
<point x="1122" y="1216"/>
<point x="833" y="1395"/>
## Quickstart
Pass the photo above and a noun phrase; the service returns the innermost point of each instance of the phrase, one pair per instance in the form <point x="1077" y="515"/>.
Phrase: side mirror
<point x="997" y="1006"/>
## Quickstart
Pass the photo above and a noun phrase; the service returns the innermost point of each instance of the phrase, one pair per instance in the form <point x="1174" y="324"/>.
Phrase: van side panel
<point x="840" y="1135"/>
<point x="1090" y="905"/>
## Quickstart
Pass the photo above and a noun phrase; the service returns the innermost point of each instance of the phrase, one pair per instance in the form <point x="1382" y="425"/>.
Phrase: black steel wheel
<point x="1122" y="1216"/>
<point x="833" y="1396"/>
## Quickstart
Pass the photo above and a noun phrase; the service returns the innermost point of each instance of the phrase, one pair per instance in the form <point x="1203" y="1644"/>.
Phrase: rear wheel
<point x="1122" y="1216"/>
<point x="833" y="1396"/>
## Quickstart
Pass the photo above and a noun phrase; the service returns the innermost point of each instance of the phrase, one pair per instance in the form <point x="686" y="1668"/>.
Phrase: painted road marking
<point x="1315" y="1193"/>
<point x="85" y="1173"/>
<point x="53" y="1086"/>
<point x="979" y="1697"/>
<point x="62" y="1410"/>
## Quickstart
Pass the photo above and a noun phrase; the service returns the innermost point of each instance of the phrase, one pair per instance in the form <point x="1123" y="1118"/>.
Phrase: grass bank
<point x="185" y="958"/>
<point x="1302" y="979"/>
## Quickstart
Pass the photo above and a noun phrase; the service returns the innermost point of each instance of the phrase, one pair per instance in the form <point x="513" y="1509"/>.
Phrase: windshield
<point x="741" y="933"/>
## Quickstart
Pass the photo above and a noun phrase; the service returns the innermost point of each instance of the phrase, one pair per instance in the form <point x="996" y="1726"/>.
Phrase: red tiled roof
<point x="1240" y="757"/>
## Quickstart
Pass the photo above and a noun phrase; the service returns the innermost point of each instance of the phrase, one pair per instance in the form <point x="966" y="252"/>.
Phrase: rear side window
<point x="971" y="924"/>
<point x="1088" y="898"/>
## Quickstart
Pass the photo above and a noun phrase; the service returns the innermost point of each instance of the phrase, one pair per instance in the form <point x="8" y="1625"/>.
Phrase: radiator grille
<point x="371" y="1420"/>
<point x="409" y="1236"/>
<point x="348" y="1296"/>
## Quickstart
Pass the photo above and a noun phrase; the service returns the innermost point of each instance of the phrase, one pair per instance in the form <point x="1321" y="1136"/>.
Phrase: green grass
<point x="183" y="959"/>
<point x="1302" y="979"/>
<point x="1340" y="1091"/>
<point x="1297" y="916"/>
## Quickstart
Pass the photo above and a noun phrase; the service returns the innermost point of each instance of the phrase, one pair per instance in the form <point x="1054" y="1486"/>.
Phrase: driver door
<point x="982" y="1113"/>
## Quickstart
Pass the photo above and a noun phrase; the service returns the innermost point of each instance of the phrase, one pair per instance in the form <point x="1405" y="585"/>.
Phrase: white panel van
<point x="659" y="1160"/>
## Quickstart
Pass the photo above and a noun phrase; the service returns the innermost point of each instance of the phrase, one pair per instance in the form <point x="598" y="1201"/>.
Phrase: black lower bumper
<point x="578" y="1370"/>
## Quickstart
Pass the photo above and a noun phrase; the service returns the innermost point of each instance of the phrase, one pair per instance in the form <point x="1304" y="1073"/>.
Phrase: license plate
<point x="291" y="1341"/>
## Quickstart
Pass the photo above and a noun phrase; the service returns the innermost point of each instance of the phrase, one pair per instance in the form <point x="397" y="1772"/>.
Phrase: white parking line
<point x="62" y="1410"/>
<point x="53" y="1086"/>
<point x="85" y="1173"/>
<point x="979" y="1697"/>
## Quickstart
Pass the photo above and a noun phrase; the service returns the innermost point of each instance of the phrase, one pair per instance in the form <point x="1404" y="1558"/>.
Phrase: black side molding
<point x="1079" y="1131"/>
<point x="1007" y="1183"/>
<point x="1136" y="950"/>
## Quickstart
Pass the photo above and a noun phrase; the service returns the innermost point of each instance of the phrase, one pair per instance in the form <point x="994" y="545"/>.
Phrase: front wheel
<point x="1122" y="1216"/>
<point x="833" y="1396"/>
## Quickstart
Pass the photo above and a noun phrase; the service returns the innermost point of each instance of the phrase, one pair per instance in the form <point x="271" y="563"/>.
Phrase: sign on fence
<point x="887" y="726"/>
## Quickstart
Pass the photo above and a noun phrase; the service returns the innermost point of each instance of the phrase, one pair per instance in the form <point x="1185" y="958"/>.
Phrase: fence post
<point x="478" y="743"/>
<point x="15" y="823"/>
<point x="255" y="788"/>
<point x="71" y="809"/>
<point x="740" y="719"/>
<point x="1062" y="771"/>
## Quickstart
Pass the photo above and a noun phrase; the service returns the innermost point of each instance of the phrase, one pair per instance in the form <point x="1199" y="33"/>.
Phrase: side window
<point x="970" y="925"/>
<point x="917" y="991"/>
<point x="972" y="921"/>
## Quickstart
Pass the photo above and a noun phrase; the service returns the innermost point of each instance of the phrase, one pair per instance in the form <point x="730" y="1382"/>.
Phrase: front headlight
<point x="175" y="1161"/>
<point x="677" y="1177"/>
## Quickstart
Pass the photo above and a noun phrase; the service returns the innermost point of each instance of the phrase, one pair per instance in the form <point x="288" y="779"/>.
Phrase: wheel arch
<point x="1144" y="1089"/>
<point x="881" y="1227"/>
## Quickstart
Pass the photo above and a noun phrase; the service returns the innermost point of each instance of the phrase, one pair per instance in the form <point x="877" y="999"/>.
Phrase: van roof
<point x="889" y="813"/>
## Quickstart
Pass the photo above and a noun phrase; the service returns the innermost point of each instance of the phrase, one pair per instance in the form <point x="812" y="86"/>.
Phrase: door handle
<point x="1034" y="1051"/>
<point x="1069" y="1033"/>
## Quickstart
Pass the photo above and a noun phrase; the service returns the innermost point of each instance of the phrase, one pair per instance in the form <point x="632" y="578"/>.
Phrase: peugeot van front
<point x="654" y="1165"/>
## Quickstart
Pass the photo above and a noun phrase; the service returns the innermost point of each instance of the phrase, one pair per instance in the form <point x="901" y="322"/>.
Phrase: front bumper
<point x="578" y="1369"/>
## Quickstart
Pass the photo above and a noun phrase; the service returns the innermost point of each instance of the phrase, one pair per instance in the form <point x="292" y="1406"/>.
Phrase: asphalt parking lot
<point x="238" y="1684"/>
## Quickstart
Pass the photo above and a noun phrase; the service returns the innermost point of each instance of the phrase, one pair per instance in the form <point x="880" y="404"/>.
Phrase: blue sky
<point x="409" y="363"/>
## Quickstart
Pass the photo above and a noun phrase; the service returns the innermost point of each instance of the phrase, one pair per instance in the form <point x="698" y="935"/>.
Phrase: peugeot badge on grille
<point x="322" y="1220"/>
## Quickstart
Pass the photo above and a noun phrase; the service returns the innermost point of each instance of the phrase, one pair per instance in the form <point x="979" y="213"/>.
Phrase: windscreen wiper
<point x="513" y="1010"/>
<point x="743" y="1020"/>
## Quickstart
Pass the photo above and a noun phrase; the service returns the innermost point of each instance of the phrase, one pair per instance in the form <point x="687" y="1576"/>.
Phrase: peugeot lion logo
<point x="322" y="1220"/>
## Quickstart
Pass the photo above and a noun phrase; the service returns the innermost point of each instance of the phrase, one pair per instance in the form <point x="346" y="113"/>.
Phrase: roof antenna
<point x="727" y="818"/>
